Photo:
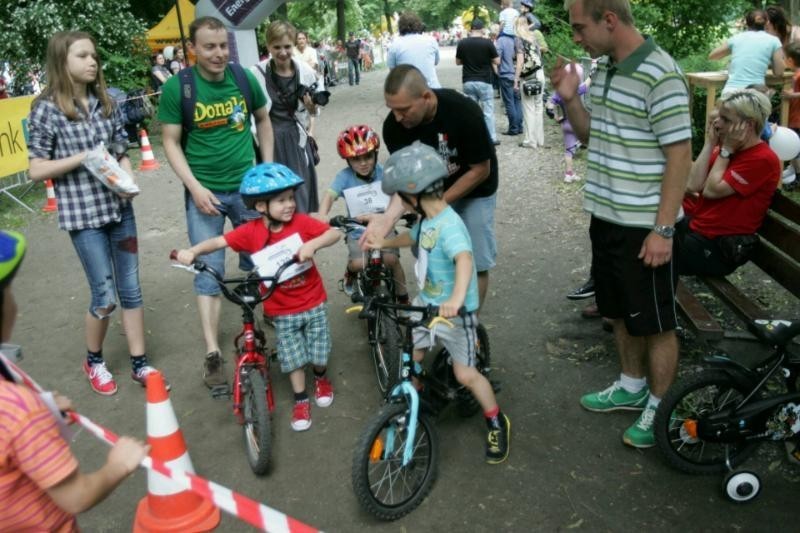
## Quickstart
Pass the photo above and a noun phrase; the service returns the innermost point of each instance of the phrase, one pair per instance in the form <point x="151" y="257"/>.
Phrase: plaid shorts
<point x="303" y="338"/>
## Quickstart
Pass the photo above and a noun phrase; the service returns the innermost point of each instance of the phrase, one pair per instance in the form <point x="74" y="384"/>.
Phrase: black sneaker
<point x="498" y="440"/>
<point x="584" y="291"/>
<point x="213" y="374"/>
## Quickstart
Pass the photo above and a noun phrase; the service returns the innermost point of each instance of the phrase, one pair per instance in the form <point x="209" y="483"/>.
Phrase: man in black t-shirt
<point x="479" y="57"/>
<point x="452" y="124"/>
<point x="353" y="50"/>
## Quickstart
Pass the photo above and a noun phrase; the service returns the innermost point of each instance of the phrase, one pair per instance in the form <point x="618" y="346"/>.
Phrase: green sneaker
<point x="640" y="434"/>
<point x="615" y="398"/>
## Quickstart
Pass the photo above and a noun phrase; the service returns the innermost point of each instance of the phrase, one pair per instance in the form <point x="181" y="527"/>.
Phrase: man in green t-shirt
<point x="217" y="153"/>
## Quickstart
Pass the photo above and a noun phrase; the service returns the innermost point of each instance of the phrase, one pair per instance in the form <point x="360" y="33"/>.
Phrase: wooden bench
<point x="778" y="256"/>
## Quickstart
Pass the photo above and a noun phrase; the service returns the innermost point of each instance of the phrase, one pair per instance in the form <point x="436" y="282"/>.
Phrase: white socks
<point x="632" y="385"/>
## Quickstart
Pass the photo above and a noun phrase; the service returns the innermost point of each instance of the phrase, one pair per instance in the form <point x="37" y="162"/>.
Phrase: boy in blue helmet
<point x="298" y="306"/>
<point x="446" y="276"/>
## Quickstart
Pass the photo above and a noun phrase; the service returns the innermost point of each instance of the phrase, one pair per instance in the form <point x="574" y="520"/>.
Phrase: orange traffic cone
<point x="148" y="160"/>
<point x="168" y="507"/>
<point x="50" y="206"/>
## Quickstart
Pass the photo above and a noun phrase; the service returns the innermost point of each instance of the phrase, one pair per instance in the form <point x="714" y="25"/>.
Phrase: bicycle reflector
<point x="376" y="452"/>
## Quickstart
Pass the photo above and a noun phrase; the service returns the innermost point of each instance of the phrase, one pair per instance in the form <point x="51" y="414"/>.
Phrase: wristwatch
<point x="665" y="231"/>
<point x="724" y="153"/>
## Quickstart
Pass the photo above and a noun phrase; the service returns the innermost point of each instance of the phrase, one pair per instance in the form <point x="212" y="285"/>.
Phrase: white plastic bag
<point x="106" y="168"/>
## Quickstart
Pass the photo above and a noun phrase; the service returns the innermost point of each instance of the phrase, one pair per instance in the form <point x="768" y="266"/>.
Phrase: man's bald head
<point x="405" y="77"/>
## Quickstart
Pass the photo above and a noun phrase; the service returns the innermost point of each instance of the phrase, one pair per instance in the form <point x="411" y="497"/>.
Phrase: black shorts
<point x="627" y="289"/>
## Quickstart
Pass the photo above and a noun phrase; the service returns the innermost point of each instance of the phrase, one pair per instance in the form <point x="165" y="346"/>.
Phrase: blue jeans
<point x="353" y="71"/>
<point x="203" y="227"/>
<point x="513" y="102"/>
<point x="110" y="259"/>
<point x="483" y="93"/>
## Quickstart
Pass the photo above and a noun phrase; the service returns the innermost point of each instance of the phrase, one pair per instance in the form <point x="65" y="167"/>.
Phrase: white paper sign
<point x="366" y="199"/>
<point x="271" y="258"/>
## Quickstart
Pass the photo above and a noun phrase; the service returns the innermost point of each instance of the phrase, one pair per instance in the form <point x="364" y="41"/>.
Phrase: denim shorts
<point x="110" y="259"/>
<point x="203" y="227"/>
<point x="303" y="338"/>
<point x="478" y="216"/>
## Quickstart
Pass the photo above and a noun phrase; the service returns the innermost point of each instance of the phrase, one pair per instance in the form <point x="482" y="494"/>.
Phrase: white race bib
<point x="421" y="267"/>
<point x="271" y="258"/>
<point x="366" y="199"/>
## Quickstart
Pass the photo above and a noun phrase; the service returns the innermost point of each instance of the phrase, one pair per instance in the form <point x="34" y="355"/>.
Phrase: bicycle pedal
<point x="220" y="392"/>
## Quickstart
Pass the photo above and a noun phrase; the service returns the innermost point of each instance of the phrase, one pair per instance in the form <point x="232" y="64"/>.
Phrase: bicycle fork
<point x="407" y="390"/>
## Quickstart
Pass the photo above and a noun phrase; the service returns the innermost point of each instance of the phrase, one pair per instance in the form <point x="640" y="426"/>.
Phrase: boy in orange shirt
<point x="41" y="487"/>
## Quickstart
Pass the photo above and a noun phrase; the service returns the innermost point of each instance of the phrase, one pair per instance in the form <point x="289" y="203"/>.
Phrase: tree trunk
<point x="340" y="21"/>
<point x="388" y="14"/>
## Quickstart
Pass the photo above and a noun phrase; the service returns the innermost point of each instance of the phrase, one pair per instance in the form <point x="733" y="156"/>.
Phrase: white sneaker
<point x="569" y="177"/>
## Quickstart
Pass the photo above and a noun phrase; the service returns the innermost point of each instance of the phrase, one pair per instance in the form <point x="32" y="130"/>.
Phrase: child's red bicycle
<point x="252" y="387"/>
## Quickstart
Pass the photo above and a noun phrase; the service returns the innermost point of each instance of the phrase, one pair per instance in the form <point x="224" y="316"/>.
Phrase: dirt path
<point x="568" y="469"/>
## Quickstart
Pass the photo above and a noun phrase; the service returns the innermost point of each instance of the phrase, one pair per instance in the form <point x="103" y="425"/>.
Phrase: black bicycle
<point x="376" y="280"/>
<point x="396" y="457"/>
<point x="712" y="421"/>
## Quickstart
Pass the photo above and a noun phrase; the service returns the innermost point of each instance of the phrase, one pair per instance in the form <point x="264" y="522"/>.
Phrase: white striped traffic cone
<point x="148" y="160"/>
<point x="167" y="507"/>
<point x="51" y="205"/>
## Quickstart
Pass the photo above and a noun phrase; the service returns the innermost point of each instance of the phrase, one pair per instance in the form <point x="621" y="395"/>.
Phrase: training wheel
<point x="742" y="486"/>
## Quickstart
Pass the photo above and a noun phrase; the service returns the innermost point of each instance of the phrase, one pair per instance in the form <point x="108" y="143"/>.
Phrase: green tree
<point x="27" y="25"/>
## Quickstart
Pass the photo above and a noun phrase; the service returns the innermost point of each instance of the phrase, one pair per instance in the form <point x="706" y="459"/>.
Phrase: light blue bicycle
<point x="396" y="457"/>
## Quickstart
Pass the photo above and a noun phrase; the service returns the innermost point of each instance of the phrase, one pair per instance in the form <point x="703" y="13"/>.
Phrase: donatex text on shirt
<point x="232" y="111"/>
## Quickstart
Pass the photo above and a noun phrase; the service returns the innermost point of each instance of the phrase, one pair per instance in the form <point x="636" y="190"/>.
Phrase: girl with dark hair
<point x="778" y="25"/>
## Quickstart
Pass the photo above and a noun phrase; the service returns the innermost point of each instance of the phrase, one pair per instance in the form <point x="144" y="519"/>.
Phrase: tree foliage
<point x="27" y="25"/>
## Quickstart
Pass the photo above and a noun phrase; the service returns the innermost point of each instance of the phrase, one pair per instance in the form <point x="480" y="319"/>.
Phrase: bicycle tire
<point x="384" y="488"/>
<point x="466" y="404"/>
<point x="386" y="351"/>
<point x="702" y="394"/>
<point x="256" y="430"/>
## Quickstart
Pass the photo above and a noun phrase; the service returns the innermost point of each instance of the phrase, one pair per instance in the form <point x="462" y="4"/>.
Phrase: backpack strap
<point x="188" y="89"/>
<point x="243" y="82"/>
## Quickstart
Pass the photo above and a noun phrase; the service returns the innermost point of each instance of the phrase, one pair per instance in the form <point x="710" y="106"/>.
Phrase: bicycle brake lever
<point x="185" y="267"/>
<point x="440" y="320"/>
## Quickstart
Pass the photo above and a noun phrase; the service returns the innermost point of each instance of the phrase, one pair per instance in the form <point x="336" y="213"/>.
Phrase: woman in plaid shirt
<point x="73" y="115"/>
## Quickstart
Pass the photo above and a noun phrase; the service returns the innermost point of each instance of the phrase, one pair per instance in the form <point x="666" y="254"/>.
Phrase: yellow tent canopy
<point x="167" y="32"/>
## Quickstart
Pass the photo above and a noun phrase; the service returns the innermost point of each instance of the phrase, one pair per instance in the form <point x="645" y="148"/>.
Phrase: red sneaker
<point x="100" y="378"/>
<point x="323" y="391"/>
<point x="301" y="416"/>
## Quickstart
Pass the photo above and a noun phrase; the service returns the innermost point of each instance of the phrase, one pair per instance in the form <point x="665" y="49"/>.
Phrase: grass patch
<point x="13" y="215"/>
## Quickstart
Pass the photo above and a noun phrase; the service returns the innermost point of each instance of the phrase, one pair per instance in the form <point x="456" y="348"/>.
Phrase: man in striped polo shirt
<point x="637" y="126"/>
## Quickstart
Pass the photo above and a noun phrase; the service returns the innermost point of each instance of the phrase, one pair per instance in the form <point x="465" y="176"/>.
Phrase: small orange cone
<point x="50" y="206"/>
<point x="148" y="160"/>
<point x="168" y="507"/>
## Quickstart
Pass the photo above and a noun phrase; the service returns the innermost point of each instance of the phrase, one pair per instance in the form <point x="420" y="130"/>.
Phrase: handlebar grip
<point x="338" y="221"/>
<point x="173" y="255"/>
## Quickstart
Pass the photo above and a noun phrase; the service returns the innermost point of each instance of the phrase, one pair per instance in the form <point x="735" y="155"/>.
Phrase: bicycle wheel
<point x="701" y="395"/>
<point x="384" y="487"/>
<point x="256" y="429"/>
<point x="386" y="351"/>
<point x="466" y="404"/>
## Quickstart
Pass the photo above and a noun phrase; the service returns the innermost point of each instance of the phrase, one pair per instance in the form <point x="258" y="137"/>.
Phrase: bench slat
<point x="782" y="235"/>
<point x="693" y="311"/>
<point x="778" y="267"/>
<point x="786" y="207"/>
<point x="736" y="300"/>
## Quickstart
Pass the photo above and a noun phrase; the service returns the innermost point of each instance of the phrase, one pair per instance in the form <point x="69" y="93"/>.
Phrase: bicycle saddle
<point x="775" y="332"/>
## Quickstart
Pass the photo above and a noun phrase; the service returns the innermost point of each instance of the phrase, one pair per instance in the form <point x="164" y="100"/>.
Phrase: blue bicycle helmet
<point x="265" y="181"/>
<point x="12" y="249"/>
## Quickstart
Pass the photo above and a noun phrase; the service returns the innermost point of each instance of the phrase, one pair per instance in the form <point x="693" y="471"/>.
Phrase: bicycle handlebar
<point x="273" y="281"/>
<point x="346" y="223"/>
<point x="428" y="311"/>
